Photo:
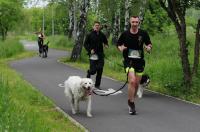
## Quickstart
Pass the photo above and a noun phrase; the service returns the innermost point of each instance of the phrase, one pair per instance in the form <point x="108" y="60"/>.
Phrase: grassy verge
<point x="10" y="48"/>
<point x="60" y="42"/>
<point x="22" y="107"/>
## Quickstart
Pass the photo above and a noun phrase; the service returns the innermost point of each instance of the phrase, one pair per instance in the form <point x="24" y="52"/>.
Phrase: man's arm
<point x="148" y="47"/>
<point x="148" y="44"/>
<point x="121" y="47"/>
<point x="120" y="43"/>
<point x="86" y="44"/>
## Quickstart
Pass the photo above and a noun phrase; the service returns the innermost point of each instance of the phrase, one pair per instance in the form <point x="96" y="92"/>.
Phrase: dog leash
<point x="114" y="91"/>
<point x="117" y="89"/>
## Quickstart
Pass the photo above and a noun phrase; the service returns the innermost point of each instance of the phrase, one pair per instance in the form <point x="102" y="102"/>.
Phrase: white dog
<point x="79" y="89"/>
<point x="143" y="84"/>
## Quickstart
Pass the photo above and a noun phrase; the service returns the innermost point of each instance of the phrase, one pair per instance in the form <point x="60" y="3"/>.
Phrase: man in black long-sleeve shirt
<point x="94" y="43"/>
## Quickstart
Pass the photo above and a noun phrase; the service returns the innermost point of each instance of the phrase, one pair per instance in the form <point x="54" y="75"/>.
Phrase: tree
<point x="71" y="17"/>
<point x="117" y="22"/>
<point x="142" y="11"/>
<point x="196" y="49"/>
<point x="155" y="16"/>
<point x="127" y="13"/>
<point x="197" y="43"/>
<point x="116" y="29"/>
<point x="76" y="52"/>
<point x="176" y="10"/>
<point x="10" y="15"/>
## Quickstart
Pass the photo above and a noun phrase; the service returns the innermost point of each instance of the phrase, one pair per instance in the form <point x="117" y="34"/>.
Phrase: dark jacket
<point x="95" y="41"/>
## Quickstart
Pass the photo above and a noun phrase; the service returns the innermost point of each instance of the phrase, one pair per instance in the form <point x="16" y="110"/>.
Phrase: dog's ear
<point x="82" y="82"/>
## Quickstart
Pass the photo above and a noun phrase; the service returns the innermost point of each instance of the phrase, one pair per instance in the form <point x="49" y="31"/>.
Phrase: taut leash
<point x="111" y="92"/>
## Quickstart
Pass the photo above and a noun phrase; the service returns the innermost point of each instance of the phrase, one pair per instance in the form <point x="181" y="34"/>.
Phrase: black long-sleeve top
<point x="95" y="40"/>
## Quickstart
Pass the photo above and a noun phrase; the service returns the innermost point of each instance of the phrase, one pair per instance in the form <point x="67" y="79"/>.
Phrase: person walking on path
<point x="94" y="43"/>
<point x="131" y="43"/>
<point x="41" y="37"/>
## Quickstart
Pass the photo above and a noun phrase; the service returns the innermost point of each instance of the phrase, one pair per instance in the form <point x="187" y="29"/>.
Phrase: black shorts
<point x="136" y="65"/>
<point x="96" y="65"/>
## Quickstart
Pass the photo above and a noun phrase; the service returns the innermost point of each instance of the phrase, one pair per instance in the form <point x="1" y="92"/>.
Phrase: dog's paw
<point x="89" y="115"/>
<point x="139" y="95"/>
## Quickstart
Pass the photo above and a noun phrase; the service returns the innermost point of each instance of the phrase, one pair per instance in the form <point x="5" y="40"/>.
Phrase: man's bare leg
<point x="132" y="91"/>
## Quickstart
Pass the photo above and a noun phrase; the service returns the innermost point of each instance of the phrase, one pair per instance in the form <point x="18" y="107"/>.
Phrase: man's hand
<point x="106" y="46"/>
<point x="92" y="51"/>
<point x="122" y="48"/>
<point x="148" y="48"/>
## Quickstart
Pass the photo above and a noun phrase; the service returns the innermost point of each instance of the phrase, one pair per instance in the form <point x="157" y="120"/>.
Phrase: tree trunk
<point x="196" y="49"/>
<point x="176" y="12"/>
<point x="71" y="18"/>
<point x="75" y="20"/>
<point x="142" y="11"/>
<point x="127" y="15"/>
<point x="184" y="54"/>
<point x="4" y="34"/>
<point x="76" y="52"/>
<point x="116" y="28"/>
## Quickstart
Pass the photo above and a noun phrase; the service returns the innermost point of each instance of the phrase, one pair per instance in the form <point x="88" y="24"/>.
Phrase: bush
<point x="10" y="47"/>
<point x="60" y="42"/>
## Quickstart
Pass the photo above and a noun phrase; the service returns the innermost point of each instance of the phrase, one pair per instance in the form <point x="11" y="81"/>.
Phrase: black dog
<point x="145" y="80"/>
<point x="45" y="48"/>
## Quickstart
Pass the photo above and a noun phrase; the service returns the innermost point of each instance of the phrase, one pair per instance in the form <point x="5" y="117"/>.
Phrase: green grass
<point x="10" y="47"/>
<point x="28" y="36"/>
<point x="22" y="107"/>
<point x="60" y="42"/>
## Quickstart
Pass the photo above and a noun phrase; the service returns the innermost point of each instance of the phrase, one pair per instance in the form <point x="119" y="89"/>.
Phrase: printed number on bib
<point x="134" y="53"/>
<point x="94" y="57"/>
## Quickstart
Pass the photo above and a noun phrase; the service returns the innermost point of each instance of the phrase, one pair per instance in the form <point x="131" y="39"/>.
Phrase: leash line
<point x="114" y="91"/>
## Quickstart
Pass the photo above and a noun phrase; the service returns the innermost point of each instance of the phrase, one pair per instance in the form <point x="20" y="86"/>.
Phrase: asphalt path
<point x="156" y="113"/>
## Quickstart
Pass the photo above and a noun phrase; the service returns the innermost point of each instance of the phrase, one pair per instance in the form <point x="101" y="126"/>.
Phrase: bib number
<point x="94" y="57"/>
<point x="134" y="54"/>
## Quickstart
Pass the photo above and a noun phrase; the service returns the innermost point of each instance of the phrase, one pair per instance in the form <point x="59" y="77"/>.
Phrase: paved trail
<point x="157" y="113"/>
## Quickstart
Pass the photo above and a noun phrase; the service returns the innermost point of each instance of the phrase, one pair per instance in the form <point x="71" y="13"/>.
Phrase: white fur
<point x="79" y="89"/>
<point x="140" y="91"/>
<point x="141" y="88"/>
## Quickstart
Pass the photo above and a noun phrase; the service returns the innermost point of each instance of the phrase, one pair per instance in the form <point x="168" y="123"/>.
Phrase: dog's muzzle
<point x="88" y="90"/>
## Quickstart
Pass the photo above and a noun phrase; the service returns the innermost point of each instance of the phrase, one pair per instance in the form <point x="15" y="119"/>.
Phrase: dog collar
<point x="88" y="92"/>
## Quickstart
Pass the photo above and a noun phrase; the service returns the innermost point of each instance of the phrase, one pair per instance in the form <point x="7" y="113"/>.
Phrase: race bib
<point x="134" y="53"/>
<point x="94" y="57"/>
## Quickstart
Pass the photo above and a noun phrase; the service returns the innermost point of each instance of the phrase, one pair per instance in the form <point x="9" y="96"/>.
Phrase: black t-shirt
<point x="95" y="41"/>
<point x="134" y="41"/>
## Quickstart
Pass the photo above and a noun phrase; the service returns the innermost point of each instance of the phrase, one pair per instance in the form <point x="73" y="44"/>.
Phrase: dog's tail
<point x="61" y="85"/>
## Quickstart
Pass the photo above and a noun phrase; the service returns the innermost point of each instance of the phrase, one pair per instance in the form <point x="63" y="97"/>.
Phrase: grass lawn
<point x="22" y="107"/>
